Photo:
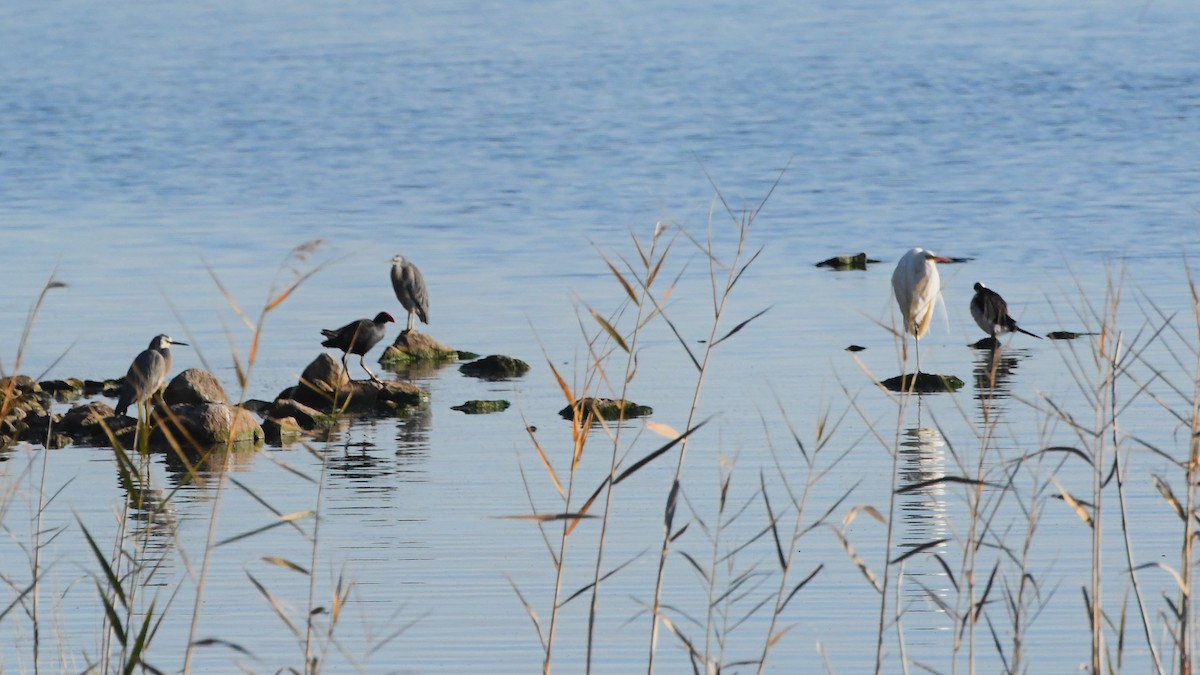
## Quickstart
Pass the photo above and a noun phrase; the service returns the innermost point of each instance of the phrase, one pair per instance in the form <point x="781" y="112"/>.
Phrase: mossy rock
<point x="607" y="408"/>
<point x="842" y="263"/>
<point x="102" y="387"/>
<point x="923" y="383"/>
<point x="478" y="407"/>
<point x="1066" y="335"/>
<point x="986" y="343"/>
<point x="413" y="347"/>
<point x="495" y="367"/>
<point x="281" y="431"/>
<point x="63" y="390"/>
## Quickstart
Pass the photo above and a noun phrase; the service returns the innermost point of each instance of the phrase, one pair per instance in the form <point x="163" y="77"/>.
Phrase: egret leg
<point x="412" y="320"/>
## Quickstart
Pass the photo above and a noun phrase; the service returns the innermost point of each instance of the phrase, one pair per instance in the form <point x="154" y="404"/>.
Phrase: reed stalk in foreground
<point x="40" y="536"/>
<point x="644" y="303"/>
<point x="724" y="275"/>
<point x="602" y="346"/>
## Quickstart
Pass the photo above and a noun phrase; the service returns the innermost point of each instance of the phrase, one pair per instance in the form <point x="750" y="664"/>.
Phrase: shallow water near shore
<point x="151" y="152"/>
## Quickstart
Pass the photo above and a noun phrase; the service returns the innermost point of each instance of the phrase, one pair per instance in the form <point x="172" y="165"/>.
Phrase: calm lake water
<point x="148" y="148"/>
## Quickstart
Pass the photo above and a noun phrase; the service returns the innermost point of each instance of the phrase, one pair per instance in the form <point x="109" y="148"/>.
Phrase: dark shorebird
<point x="146" y="374"/>
<point x="990" y="311"/>
<point x="357" y="337"/>
<point x="916" y="284"/>
<point x="410" y="290"/>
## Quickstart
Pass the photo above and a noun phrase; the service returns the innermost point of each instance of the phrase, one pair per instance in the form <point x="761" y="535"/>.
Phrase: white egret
<point x="917" y="286"/>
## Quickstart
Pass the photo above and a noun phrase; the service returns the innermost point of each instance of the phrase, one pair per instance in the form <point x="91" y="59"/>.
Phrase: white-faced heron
<point x="990" y="311"/>
<point x="916" y="284"/>
<point x="357" y="337"/>
<point x="410" y="290"/>
<point x="147" y="373"/>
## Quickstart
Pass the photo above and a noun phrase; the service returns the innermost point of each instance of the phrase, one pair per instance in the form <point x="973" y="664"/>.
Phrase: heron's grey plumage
<point x="990" y="312"/>
<point x="147" y="374"/>
<point x="358" y="337"/>
<point x="410" y="290"/>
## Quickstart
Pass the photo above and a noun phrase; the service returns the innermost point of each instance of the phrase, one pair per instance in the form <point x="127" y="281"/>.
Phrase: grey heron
<point x="990" y="311"/>
<point x="147" y="373"/>
<point x="410" y="290"/>
<point x="358" y="337"/>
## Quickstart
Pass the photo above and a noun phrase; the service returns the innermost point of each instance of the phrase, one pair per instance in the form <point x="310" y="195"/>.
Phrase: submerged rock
<point x="985" y="343"/>
<point x="1065" y="335"/>
<point x="606" y="408"/>
<point x="923" y="383"/>
<point x="105" y="387"/>
<point x="63" y="390"/>
<point x="495" y="367"/>
<point x="847" y="262"/>
<point x="281" y="431"/>
<point x="478" y="407"/>
<point x="412" y="346"/>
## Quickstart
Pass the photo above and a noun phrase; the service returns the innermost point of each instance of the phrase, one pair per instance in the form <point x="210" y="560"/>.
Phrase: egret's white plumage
<point x="409" y="285"/>
<point x="917" y="287"/>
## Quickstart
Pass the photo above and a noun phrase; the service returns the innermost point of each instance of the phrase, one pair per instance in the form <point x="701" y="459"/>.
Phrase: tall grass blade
<point x="139" y="645"/>
<point x="796" y="589"/>
<point x="736" y="329"/>
<point x="545" y="460"/>
<point x="603" y="577"/>
<point x="612" y="332"/>
<point x="918" y="549"/>
<point x="1075" y="504"/>
<point x="773" y="523"/>
<point x="857" y="560"/>
<point x="657" y="453"/>
<point x="624" y="284"/>
<point x="1164" y="489"/>
<point x="537" y="625"/>
<point x="109" y="575"/>
<point x="284" y="563"/>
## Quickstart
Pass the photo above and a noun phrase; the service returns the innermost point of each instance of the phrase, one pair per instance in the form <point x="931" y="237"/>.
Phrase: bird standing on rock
<point x="410" y="290"/>
<point x="358" y="337"/>
<point x="990" y="311"/>
<point x="146" y="374"/>
<point x="916" y="284"/>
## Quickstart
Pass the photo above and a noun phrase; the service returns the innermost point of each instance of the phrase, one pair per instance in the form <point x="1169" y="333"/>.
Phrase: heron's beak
<point x="173" y="343"/>
<point x="941" y="258"/>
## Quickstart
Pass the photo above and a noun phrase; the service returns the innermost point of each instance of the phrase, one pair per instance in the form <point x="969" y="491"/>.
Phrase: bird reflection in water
<point x="922" y="506"/>
<point x="993" y="371"/>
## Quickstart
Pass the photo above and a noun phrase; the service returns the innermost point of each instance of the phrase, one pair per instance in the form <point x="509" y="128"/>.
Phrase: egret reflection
<point x="922" y="506"/>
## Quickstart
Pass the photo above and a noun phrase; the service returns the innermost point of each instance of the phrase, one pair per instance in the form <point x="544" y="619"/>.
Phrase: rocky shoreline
<point x="194" y="412"/>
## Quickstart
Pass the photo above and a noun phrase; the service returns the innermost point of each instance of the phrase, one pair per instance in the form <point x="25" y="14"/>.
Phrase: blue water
<point x="149" y="150"/>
